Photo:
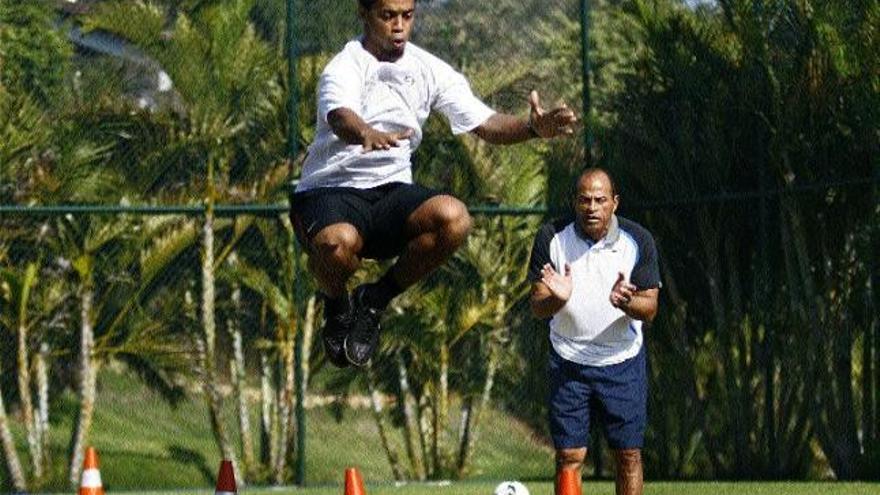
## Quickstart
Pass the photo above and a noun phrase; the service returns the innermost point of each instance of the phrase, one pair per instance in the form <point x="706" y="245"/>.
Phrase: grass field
<point x="592" y="488"/>
<point x="143" y="443"/>
<point x="146" y="446"/>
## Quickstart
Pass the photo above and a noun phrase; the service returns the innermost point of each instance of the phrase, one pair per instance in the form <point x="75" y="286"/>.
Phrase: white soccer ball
<point x="511" y="488"/>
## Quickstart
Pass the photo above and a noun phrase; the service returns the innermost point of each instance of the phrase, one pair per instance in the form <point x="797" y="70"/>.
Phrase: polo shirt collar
<point x="613" y="233"/>
<point x="606" y="242"/>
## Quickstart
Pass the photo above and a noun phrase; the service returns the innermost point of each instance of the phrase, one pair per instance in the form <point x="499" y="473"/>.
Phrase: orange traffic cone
<point x="226" y="479"/>
<point x="568" y="482"/>
<point x="90" y="483"/>
<point x="354" y="484"/>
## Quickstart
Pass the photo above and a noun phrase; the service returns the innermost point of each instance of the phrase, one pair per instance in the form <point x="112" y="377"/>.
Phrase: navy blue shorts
<point x="617" y="394"/>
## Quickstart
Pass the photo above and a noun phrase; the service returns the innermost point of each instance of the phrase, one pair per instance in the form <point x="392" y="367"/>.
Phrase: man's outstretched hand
<point x="556" y="122"/>
<point x="622" y="293"/>
<point x="351" y="128"/>
<point x="373" y="139"/>
<point x="560" y="285"/>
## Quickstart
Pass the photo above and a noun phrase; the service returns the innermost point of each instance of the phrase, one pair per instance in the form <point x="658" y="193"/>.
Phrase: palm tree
<point x="726" y="102"/>
<point x="228" y="81"/>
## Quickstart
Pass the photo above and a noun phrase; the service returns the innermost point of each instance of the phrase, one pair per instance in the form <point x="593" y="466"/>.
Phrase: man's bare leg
<point x="437" y="229"/>
<point x="334" y="257"/>
<point x="629" y="472"/>
<point x="569" y="460"/>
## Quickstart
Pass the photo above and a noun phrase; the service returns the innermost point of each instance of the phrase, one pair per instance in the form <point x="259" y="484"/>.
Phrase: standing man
<point x="356" y="198"/>
<point x="596" y="279"/>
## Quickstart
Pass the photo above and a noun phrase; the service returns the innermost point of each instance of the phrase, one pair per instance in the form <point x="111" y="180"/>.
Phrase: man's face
<point x="595" y="204"/>
<point x="387" y="26"/>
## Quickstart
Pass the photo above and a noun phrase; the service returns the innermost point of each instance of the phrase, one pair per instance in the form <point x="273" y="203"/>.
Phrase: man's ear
<point x="616" y="202"/>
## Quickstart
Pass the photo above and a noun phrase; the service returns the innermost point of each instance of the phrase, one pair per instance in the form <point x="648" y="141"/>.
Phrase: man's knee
<point x="570" y="459"/>
<point x="451" y="218"/>
<point x="629" y="459"/>
<point x="337" y="242"/>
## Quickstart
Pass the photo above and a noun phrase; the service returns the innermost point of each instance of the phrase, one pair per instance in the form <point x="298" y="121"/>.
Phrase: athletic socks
<point x="380" y="293"/>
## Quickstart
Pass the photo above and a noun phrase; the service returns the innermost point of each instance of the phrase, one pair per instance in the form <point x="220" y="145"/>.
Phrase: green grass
<point x="595" y="488"/>
<point x="145" y="444"/>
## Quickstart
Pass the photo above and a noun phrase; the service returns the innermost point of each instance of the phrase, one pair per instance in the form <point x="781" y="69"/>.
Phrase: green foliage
<point x="34" y="56"/>
<point x="755" y="96"/>
<point x="762" y="352"/>
<point x="227" y="79"/>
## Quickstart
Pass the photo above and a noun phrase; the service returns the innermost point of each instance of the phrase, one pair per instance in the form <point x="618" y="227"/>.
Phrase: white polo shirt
<point x="390" y="97"/>
<point x="588" y="329"/>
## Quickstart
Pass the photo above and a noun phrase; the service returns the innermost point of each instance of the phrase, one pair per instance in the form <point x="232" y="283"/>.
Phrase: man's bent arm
<point x="352" y="129"/>
<point x="502" y="128"/>
<point x="642" y="306"/>
<point x="544" y="303"/>
<point x="347" y="125"/>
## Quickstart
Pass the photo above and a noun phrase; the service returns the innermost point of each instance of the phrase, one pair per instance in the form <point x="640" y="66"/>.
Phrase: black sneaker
<point x="337" y="326"/>
<point x="363" y="339"/>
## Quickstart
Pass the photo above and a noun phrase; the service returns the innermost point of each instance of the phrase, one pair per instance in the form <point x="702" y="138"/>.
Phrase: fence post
<point x="292" y="151"/>
<point x="585" y="93"/>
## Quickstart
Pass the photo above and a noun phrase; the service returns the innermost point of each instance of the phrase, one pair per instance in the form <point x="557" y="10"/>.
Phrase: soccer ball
<point x="511" y="488"/>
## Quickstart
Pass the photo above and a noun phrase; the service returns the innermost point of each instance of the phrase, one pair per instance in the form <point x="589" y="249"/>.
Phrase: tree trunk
<point x="381" y="425"/>
<point x="13" y="465"/>
<point x="411" y="431"/>
<point x="464" y="434"/>
<point x="210" y="385"/>
<point x="239" y="383"/>
<point x="302" y="351"/>
<point x="267" y="395"/>
<point x="830" y="429"/>
<point x="27" y="406"/>
<point x="869" y="380"/>
<point x="285" y="408"/>
<point x="24" y="371"/>
<point x="441" y="414"/>
<point x="239" y="379"/>
<point x="871" y="346"/>
<point x="426" y="429"/>
<point x="87" y="385"/>
<point x="710" y="244"/>
<point x="309" y="325"/>
<point x="42" y="419"/>
<point x="470" y="417"/>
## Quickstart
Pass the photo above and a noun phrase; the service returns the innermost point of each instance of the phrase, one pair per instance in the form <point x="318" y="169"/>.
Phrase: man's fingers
<point x="564" y="115"/>
<point x="535" y="103"/>
<point x="385" y="140"/>
<point x="620" y="278"/>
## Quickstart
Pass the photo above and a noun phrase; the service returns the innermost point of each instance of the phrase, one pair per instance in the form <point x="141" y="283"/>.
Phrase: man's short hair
<point x="367" y="4"/>
<point x="591" y="171"/>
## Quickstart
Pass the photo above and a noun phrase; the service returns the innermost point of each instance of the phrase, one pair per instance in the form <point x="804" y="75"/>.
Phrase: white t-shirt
<point x="588" y="330"/>
<point x="389" y="96"/>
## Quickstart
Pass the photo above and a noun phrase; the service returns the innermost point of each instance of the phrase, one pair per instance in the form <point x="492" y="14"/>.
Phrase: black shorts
<point x="379" y="214"/>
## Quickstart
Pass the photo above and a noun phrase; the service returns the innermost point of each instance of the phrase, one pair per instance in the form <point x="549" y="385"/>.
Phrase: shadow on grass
<point x="187" y="456"/>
